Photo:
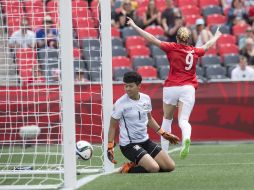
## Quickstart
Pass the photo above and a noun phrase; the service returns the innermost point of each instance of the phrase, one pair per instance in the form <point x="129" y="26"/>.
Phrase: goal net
<point x="32" y="92"/>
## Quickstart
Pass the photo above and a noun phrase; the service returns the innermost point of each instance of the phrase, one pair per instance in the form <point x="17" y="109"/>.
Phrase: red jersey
<point x="182" y="60"/>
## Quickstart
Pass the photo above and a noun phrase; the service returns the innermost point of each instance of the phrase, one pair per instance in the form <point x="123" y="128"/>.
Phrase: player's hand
<point x="110" y="152"/>
<point x="130" y="22"/>
<point x="170" y="137"/>
<point x="218" y="33"/>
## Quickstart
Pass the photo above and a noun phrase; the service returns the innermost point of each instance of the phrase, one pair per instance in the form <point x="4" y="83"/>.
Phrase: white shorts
<point x="173" y="94"/>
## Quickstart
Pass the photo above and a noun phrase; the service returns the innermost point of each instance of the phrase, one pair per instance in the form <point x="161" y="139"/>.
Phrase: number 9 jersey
<point x="182" y="59"/>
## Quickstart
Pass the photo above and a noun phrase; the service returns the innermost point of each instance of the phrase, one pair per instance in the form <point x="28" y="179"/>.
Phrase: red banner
<point x="223" y="111"/>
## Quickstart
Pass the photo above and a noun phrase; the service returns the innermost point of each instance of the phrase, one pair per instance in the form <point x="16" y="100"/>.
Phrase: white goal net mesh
<point x="31" y="143"/>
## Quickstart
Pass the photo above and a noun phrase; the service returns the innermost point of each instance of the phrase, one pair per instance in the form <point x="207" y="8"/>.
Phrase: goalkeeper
<point x="133" y="113"/>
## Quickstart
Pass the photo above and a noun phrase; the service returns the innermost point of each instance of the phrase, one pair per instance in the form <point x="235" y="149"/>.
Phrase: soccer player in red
<point x="179" y="87"/>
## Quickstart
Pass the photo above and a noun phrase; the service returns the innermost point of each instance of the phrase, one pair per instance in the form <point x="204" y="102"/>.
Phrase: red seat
<point x="13" y="7"/>
<point x="211" y="51"/>
<point x="79" y="12"/>
<point x="95" y="3"/>
<point x="52" y="6"/>
<point x="76" y="53"/>
<point x="13" y="23"/>
<point x="140" y="11"/>
<point x="139" y="51"/>
<point x="86" y="33"/>
<point x="240" y="29"/>
<point x="26" y="64"/>
<point x="205" y="3"/>
<point x="215" y="19"/>
<point x="95" y="13"/>
<point x="190" y="10"/>
<point x="81" y="23"/>
<point x="155" y="30"/>
<point x="226" y="38"/>
<point x="25" y="54"/>
<point x="121" y="61"/>
<point x="182" y="3"/>
<point x="143" y="3"/>
<point x="115" y="32"/>
<point x="147" y="72"/>
<point x="36" y="22"/>
<point x="190" y="20"/>
<point x="134" y="41"/>
<point x="79" y="3"/>
<point x="162" y="8"/>
<point x="228" y="49"/>
<point x="160" y="4"/>
<point x="31" y="5"/>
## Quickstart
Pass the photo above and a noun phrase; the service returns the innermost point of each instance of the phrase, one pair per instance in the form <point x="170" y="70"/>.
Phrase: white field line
<point x="174" y="150"/>
<point x="216" y="164"/>
<point x="221" y="154"/>
<point x="90" y="178"/>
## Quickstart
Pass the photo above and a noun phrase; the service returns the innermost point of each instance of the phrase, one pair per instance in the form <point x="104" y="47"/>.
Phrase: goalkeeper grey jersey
<point x="132" y="116"/>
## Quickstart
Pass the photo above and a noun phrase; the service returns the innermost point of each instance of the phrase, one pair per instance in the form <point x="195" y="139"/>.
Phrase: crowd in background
<point x="170" y="19"/>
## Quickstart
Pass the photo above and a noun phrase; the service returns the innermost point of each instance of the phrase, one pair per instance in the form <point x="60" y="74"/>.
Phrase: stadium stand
<point x="163" y="72"/>
<point x="142" y="61"/>
<point x="216" y="72"/>
<point x="117" y="41"/>
<point x="127" y="45"/>
<point x="209" y="60"/>
<point x="121" y="61"/>
<point x="147" y="72"/>
<point x="119" y="72"/>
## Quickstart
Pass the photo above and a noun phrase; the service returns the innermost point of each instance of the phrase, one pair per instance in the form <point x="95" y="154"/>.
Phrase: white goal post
<point x="40" y="121"/>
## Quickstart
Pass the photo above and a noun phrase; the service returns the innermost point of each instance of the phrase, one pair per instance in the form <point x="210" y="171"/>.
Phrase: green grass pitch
<point x="208" y="167"/>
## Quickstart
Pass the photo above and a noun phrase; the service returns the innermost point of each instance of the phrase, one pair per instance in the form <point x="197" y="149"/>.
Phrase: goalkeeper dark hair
<point x="131" y="77"/>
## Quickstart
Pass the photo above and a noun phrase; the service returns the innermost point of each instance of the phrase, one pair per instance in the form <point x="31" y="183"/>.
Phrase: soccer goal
<point x="56" y="89"/>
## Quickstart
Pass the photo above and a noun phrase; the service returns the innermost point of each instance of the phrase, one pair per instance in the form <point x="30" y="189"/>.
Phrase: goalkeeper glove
<point x="110" y="152"/>
<point x="170" y="137"/>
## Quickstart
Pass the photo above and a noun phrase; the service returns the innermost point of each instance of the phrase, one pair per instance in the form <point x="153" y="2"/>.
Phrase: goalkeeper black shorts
<point x="135" y="151"/>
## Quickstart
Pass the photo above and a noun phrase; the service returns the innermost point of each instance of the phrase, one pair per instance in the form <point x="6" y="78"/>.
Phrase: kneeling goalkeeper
<point x="132" y="112"/>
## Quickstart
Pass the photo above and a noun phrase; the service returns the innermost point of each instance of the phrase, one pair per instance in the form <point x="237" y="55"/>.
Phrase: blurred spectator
<point x="167" y="17"/>
<point x="248" y="51"/>
<point x="242" y="71"/>
<point x="171" y="23"/>
<point x="152" y="16"/>
<point x="249" y="33"/>
<point x="22" y="38"/>
<point x="237" y="13"/>
<point x="55" y="75"/>
<point x="47" y="36"/>
<point x="225" y="3"/>
<point x="80" y="75"/>
<point x="251" y="15"/>
<point x="134" y="4"/>
<point x="201" y="35"/>
<point x="125" y="11"/>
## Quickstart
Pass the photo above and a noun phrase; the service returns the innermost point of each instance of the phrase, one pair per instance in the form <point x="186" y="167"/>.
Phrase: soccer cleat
<point x="126" y="167"/>
<point x="185" y="149"/>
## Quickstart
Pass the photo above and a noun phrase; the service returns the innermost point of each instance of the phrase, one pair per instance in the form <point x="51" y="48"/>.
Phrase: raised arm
<point x="149" y="37"/>
<point x="211" y="42"/>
